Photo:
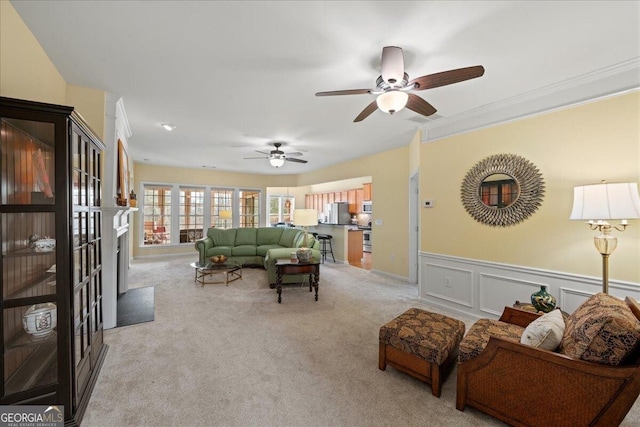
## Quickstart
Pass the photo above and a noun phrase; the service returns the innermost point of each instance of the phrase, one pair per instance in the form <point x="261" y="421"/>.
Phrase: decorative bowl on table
<point x="218" y="259"/>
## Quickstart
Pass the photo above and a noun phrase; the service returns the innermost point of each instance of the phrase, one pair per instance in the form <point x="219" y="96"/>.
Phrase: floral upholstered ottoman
<point x="421" y="344"/>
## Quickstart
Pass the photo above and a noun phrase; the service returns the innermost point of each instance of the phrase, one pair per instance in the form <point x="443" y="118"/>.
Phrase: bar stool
<point x="326" y="247"/>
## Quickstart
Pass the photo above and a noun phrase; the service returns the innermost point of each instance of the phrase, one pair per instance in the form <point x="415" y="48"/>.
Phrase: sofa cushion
<point x="602" y="330"/>
<point x="478" y="336"/>
<point x="288" y="237"/>
<point x="243" y="250"/>
<point x="246" y="236"/>
<point x="268" y="236"/>
<point x="263" y="249"/>
<point x="545" y="332"/>
<point x="223" y="237"/>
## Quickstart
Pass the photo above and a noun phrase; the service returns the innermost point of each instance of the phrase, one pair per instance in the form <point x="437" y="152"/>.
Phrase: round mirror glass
<point x="499" y="190"/>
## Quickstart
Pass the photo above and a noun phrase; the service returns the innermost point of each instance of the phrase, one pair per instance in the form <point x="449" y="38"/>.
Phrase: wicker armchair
<point x="527" y="386"/>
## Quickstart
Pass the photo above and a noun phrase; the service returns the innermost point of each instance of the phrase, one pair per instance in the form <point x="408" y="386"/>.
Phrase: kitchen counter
<point x="340" y="240"/>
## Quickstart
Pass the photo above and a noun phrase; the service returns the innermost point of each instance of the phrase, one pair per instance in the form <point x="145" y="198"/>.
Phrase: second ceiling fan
<point x="393" y="87"/>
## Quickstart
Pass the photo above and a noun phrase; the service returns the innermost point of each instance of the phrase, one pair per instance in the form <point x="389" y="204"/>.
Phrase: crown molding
<point x="606" y="82"/>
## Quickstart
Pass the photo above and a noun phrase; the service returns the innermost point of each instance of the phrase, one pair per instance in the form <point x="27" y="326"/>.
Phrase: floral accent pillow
<point x="602" y="330"/>
<point x="545" y="332"/>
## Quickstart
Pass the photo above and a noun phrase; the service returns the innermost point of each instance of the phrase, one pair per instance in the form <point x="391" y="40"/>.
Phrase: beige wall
<point x="576" y="146"/>
<point x="90" y="103"/>
<point x="26" y="72"/>
<point x="25" y="69"/>
<point x="389" y="173"/>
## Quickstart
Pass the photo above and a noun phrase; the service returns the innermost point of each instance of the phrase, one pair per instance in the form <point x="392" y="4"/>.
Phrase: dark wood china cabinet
<point x="50" y="229"/>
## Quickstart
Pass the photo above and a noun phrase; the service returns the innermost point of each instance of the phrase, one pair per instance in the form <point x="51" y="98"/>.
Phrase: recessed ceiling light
<point x="168" y="127"/>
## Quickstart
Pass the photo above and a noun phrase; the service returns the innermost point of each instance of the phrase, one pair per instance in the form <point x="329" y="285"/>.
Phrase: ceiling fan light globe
<point x="392" y="101"/>
<point x="276" y="162"/>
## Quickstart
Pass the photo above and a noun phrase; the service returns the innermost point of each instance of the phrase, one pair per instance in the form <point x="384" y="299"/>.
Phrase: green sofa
<point x="256" y="247"/>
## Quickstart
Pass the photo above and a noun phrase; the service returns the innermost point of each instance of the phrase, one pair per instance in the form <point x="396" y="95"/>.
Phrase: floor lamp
<point x="225" y="215"/>
<point x="600" y="203"/>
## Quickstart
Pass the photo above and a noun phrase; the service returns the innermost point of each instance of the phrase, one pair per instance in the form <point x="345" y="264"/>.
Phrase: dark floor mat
<point x="136" y="306"/>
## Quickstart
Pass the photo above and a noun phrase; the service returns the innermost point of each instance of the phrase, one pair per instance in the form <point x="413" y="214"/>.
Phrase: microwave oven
<point x="367" y="207"/>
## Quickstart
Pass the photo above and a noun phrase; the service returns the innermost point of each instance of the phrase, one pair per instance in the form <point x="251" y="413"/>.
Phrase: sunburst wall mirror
<point x="502" y="190"/>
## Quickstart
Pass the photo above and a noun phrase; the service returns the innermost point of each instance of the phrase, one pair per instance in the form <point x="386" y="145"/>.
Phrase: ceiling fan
<point x="277" y="157"/>
<point x="393" y="87"/>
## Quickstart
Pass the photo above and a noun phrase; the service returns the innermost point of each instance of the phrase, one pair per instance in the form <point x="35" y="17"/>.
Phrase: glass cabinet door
<point x="27" y="227"/>
<point x="87" y="275"/>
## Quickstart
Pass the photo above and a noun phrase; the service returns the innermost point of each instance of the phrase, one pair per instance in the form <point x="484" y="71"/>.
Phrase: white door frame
<point x="414" y="228"/>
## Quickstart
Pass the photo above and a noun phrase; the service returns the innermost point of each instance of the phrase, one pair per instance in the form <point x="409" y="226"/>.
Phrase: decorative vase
<point x="303" y="254"/>
<point x="40" y="319"/>
<point x="543" y="300"/>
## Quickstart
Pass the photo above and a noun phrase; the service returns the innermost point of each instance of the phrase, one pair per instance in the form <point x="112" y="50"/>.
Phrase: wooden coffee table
<point x="285" y="266"/>
<point x="231" y="271"/>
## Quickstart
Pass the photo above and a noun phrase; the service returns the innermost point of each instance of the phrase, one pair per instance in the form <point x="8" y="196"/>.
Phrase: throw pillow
<point x="602" y="330"/>
<point x="545" y="332"/>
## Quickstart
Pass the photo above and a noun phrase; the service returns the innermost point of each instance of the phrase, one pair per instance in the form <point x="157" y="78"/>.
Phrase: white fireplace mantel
<point x="116" y="219"/>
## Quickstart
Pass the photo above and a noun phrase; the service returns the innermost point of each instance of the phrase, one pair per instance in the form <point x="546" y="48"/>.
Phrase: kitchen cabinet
<point x="359" y="199"/>
<point x="366" y="188"/>
<point x="351" y="199"/>
<point x="51" y="232"/>
<point x="355" y="253"/>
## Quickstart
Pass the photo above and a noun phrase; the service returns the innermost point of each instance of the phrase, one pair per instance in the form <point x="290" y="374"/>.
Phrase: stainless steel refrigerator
<point x="338" y="213"/>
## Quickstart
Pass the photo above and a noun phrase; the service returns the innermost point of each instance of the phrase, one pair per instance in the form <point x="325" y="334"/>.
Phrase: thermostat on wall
<point x="428" y="203"/>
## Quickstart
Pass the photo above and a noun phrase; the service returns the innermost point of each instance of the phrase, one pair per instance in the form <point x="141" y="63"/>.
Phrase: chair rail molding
<point x="477" y="288"/>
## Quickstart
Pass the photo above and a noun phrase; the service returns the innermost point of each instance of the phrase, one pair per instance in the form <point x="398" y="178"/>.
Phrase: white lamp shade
<point x="305" y="217"/>
<point x="392" y="101"/>
<point x="276" y="162"/>
<point x="606" y="201"/>
<point x="225" y="214"/>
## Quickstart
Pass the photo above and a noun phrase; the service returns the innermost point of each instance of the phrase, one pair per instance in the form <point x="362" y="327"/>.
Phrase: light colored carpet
<point x="232" y="356"/>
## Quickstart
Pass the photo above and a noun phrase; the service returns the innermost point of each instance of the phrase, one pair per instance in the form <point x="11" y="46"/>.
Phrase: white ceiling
<point x="235" y="76"/>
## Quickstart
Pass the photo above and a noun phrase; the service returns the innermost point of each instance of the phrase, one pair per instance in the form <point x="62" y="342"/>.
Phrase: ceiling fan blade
<point x="294" y="154"/>
<point x="261" y="152"/>
<point x="419" y="105"/>
<point x="344" y="92"/>
<point x="392" y="65"/>
<point x="295" y="160"/>
<point x="251" y="158"/>
<point x="447" y="77"/>
<point x="366" y="112"/>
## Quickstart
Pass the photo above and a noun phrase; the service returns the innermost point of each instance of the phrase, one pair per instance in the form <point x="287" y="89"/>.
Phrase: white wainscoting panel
<point x="449" y="284"/>
<point x="482" y="289"/>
